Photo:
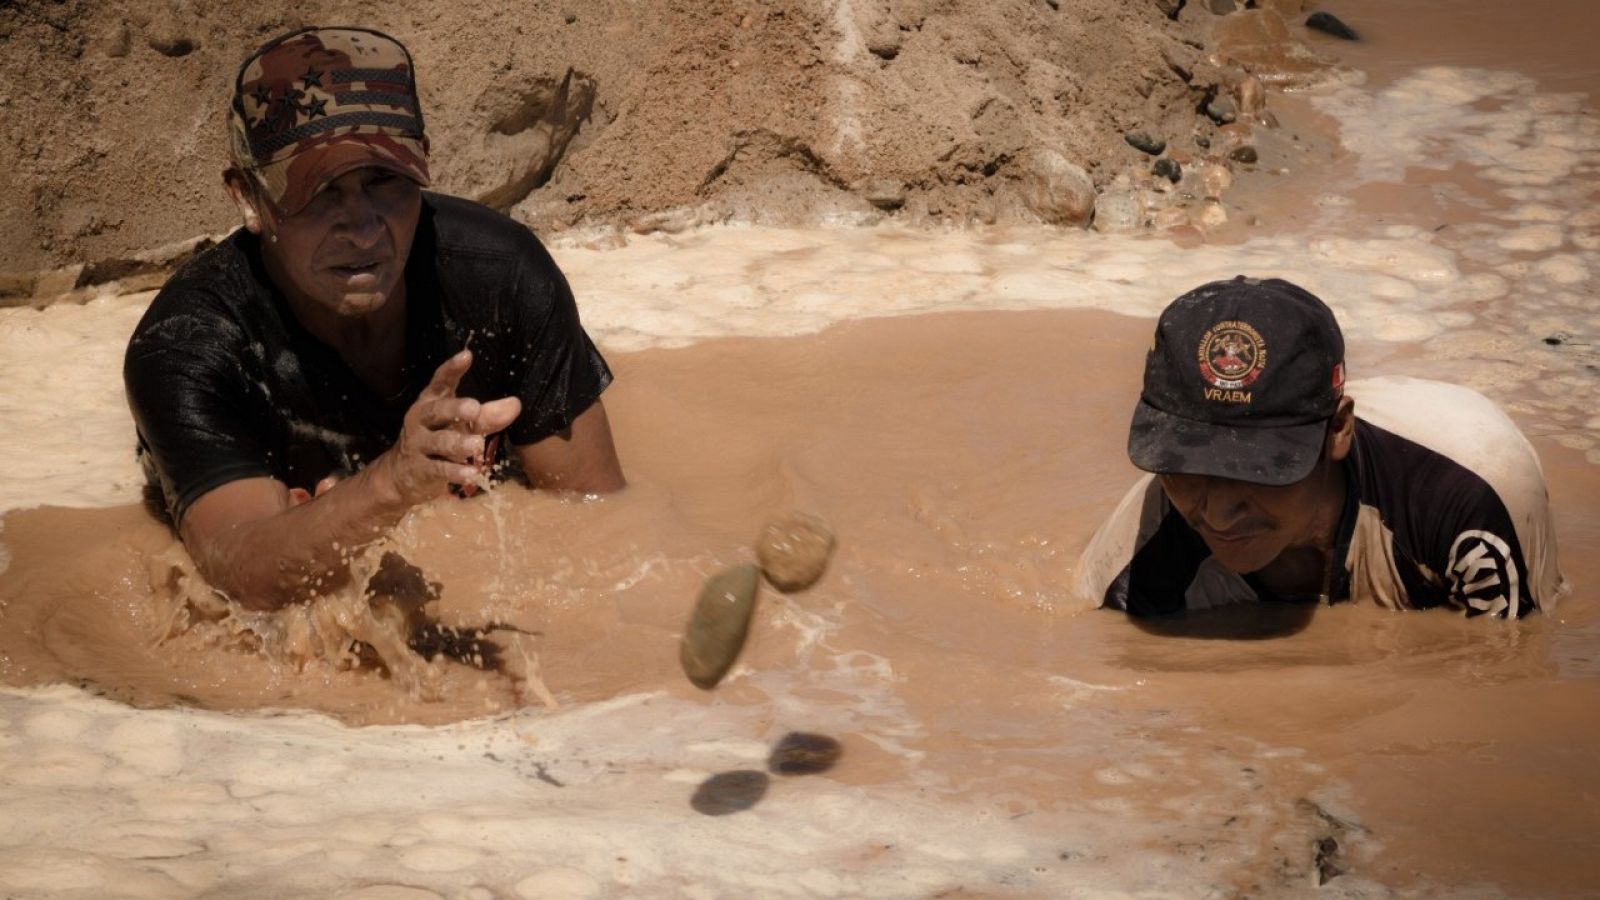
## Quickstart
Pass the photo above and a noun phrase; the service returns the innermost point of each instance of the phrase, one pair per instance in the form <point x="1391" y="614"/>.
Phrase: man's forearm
<point x="295" y="551"/>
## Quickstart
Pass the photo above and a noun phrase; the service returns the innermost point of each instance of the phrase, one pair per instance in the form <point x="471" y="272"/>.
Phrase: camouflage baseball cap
<point x="316" y="103"/>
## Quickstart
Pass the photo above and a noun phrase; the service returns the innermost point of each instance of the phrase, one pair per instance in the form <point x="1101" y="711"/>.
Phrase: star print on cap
<point x="316" y="103"/>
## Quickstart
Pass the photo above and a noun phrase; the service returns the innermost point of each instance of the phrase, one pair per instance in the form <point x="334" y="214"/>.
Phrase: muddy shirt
<point x="225" y="384"/>
<point x="1446" y="506"/>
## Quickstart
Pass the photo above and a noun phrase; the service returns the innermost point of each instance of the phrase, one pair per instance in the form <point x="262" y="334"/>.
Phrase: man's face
<point x="346" y="250"/>
<point x="1245" y="525"/>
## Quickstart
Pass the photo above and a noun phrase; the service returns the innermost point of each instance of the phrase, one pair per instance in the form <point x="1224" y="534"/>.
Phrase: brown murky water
<point x="963" y="460"/>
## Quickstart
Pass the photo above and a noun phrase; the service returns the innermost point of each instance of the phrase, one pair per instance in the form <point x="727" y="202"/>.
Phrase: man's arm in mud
<point x="581" y="458"/>
<point x="255" y="541"/>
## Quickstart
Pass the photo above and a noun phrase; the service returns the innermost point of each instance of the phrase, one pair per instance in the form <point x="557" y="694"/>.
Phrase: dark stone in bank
<point x="1167" y="168"/>
<point x="1144" y="143"/>
<point x="1328" y="23"/>
<point x="1246" y="154"/>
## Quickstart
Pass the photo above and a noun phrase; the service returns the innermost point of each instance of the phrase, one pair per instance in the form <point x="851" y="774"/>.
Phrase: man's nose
<point x="1222" y="502"/>
<point x="360" y="219"/>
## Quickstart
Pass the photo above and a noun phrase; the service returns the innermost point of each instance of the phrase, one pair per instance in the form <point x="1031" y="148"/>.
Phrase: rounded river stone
<point x="718" y="626"/>
<point x="794" y="550"/>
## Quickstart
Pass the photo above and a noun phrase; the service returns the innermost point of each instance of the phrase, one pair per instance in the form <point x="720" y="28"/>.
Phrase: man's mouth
<point x="1232" y="535"/>
<point x="350" y="270"/>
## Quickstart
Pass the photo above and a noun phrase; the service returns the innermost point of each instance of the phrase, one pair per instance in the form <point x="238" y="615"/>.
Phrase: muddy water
<point x="1549" y="40"/>
<point x="995" y="738"/>
<point x="963" y="459"/>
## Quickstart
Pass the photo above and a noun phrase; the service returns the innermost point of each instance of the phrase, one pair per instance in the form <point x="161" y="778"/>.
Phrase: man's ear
<point x="1342" y="429"/>
<point x="244" y="197"/>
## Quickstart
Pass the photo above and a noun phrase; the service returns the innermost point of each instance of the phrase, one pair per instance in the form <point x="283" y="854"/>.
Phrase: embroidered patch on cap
<point x="1232" y="356"/>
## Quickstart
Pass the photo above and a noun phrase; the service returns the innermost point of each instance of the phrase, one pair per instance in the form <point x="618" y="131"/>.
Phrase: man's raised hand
<point x="442" y="439"/>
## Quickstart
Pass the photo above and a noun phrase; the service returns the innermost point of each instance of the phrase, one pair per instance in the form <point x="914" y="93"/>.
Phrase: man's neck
<point x="373" y="346"/>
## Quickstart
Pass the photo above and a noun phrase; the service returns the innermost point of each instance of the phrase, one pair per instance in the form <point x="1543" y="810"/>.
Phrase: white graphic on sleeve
<point x="1482" y="574"/>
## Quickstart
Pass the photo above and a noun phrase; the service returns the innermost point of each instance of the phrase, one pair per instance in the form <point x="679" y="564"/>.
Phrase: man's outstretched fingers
<point x="497" y="415"/>
<point x="448" y="376"/>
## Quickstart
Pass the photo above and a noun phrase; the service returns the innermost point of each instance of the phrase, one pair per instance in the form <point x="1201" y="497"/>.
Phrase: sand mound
<point x="771" y="111"/>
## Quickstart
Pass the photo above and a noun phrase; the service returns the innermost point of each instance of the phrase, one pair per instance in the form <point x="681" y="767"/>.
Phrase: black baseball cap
<point x="1240" y="382"/>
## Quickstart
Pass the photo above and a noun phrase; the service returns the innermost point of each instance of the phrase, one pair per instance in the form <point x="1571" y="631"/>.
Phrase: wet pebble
<point x="1216" y="179"/>
<point x="719" y="625"/>
<point x="1246" y="154"/>
<point x="794" y="551"/>
<point x="1252" y="96"/>
<point x="1171" y="217"/>
<point x="1058" y="190"/>
<point x="1212" y="215"/>
<point x="800" y="753"/>
<point x="1330" y="24"/>
<point x="887" y="194"/>
<point x="1222" y="109"/>
<point x="1167" y="168"/>
<point x="1143" y="142"/>
<point x="1118" y="210"/>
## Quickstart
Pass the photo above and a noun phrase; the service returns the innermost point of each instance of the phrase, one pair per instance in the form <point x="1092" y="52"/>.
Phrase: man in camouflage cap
<point x="360" y="346"/>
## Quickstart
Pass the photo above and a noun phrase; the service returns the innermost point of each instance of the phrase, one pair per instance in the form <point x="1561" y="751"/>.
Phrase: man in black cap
<point x="1265" y="485"/>
<point x="359" y="346"/>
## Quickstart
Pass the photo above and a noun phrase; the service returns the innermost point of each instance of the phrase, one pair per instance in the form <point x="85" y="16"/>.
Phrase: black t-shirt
<point x="1463" y="523"/>
<point x="224" y="383"/>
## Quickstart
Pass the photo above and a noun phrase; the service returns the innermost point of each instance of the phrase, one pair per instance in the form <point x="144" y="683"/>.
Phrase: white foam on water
<point x="101" y="798"/>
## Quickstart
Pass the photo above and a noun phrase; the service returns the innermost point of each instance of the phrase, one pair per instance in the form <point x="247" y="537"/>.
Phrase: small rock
<point x="1058" y="191"/>
<point x="1222" y="109"/>
<point x="1212" y="215"/>
<point x="884" y="42"/>
<point x="1203" y="142"/>
<point x="1171" y="217"/>
<point x="1328" y="23"/>
<point x="1118" y="210"/>
<point x="887" y="194"/>
<point x="747" y="21"/>
<point x="802" y="753"/>
<point x="1252" y="97"/>
<point x="1246" y="154"/>
<point x="794" y="551"/>
<point x="1215" y="179"/>
<point x="719" y="625"/>
<point x="1234" y="135"/>
<point x="1325" y="860"/>
<point x="1167" y="168"/>
<point x="1144" y="143"/>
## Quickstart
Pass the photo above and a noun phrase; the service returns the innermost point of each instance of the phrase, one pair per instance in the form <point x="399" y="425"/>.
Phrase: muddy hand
<point x="442" y="440"/>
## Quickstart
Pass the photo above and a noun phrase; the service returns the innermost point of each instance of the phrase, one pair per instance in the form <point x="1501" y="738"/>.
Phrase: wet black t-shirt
<point x="225" y="384"/>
